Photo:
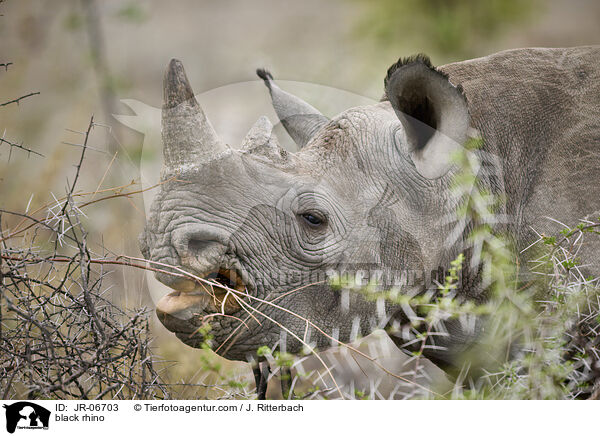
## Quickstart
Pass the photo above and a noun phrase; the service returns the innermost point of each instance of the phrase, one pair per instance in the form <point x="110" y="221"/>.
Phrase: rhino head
<point x="368" y="191"/>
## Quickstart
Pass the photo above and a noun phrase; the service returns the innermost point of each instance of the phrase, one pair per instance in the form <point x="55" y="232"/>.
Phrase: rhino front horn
<point x="188" y="137"/>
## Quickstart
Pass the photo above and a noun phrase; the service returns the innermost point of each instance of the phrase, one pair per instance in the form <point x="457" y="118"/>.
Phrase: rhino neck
<point x="540" y="126"/>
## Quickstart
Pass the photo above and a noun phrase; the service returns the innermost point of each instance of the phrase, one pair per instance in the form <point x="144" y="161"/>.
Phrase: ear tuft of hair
<point x="264" y="74"/>
<point x="419" y="58"/>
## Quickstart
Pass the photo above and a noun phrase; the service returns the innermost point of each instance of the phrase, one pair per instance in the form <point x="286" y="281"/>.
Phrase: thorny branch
<point x="19" y="146"/>
<point x="61" y="335"/>
<point x="18" y="99"/>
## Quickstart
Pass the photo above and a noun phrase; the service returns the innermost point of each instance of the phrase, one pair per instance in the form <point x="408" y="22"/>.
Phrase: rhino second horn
<point x="261" y="140"/>
<point x="188" y="137"/>
<point x="299" y="118"/>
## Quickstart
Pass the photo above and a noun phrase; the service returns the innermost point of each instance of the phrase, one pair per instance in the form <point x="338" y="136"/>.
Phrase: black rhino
<point x="368" y="190"/>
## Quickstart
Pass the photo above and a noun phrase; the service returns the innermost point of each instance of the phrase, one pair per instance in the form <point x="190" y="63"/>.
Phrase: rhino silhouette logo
<point x="26" y="415"/>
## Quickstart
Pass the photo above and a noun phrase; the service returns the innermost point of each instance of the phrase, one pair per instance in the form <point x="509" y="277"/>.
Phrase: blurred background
<point x="84" y="56"/>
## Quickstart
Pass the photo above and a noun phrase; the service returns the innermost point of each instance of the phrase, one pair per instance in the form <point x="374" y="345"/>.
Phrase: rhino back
<point x="538" y="109"/>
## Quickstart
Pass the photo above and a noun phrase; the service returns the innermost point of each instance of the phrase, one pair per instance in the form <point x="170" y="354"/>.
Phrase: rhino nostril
<point x="198" y="245"/>
<point x="206" y="251"/>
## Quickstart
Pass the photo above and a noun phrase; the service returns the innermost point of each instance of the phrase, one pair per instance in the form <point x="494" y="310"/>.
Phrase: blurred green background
<point x="83" y="56"/>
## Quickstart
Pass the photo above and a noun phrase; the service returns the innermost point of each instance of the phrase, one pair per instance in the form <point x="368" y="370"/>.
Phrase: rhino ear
<point x="432" y="111"/>
<point x="299" y="118"/>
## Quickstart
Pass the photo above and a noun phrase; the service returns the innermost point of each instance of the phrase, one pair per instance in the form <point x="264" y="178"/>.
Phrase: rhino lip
<point x="229" y="278"/>
<point x="219" y="292"/>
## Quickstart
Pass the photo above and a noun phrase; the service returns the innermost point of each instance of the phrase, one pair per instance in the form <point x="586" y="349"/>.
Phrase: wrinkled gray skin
<point x="378" y="179"/>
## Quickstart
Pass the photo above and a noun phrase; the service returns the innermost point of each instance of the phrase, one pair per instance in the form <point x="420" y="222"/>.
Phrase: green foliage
<point x="73" y="21"/>
<point x="284" y="359"/>
<point x="541" y="332"/>
<point x="451" y="28"/>
<point x="203" y="332"/>
<point x="263" y="351"/>
<point x="360" y="395"/>
<point x="541" y="322"/>
<point x="235" y="384"/>
<point x="132" y="12"/>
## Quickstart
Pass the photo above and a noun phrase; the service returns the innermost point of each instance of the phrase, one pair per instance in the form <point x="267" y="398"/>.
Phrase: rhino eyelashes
<point x="313" y="219"/>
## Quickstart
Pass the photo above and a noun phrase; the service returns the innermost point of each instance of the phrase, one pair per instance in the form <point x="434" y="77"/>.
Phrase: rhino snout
<point x="202" y="252"/>
<point x="200" y="248"/>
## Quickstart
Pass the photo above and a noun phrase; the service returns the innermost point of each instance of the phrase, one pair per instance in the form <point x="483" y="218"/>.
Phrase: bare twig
<point x="85" y="141"/>
<point x="19" y="146"/>
<point x="18" y="99"/>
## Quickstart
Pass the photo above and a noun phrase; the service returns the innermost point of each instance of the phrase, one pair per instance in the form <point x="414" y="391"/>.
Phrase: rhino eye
<point x="313" y="219"/>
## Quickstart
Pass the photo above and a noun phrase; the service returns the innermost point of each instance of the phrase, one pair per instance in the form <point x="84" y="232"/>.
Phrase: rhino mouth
<point x="219" y="292"/>
<point x="227" y="279"/>
<point x="221" y="299"/>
